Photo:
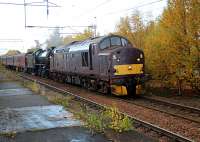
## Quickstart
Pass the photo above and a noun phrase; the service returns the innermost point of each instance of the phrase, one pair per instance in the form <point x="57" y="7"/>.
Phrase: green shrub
<point x="95" y="122"/>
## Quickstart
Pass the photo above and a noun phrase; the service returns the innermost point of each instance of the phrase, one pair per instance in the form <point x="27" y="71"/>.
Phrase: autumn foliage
<point x="171" y="43"/>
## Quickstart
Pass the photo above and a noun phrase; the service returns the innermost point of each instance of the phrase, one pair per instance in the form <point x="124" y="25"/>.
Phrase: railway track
<point x="139" y="123"/>
<point x="178" y="110"/>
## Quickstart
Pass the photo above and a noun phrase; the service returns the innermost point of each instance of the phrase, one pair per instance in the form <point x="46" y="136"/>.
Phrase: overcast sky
<point x="104" y="13"/>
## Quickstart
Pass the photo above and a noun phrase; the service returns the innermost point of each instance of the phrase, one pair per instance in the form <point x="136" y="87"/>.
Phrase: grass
<point x="9" y="134"/>
<point x="60" y="100"/>
<point x="110" y="118"/>
<point x="116" y="120"/>
<point x="8" y="75"/>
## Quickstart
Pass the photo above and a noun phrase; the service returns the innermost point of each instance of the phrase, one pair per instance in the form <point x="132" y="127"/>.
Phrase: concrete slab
<point x="10" y="85"/>
<point x="17" y="101"/>
<point x="35" y="118"/>
<point x="15" y="91"/>
<point x="69" y="134"/>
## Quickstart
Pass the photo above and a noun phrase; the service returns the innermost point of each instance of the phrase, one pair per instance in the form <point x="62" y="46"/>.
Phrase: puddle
<point x="35" y="118"/>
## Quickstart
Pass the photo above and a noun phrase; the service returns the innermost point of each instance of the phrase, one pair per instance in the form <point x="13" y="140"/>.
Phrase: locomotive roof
<point x="82" y="45"/>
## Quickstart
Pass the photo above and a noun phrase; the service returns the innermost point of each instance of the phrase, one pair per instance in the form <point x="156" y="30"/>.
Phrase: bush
<point x="118" y="121"/>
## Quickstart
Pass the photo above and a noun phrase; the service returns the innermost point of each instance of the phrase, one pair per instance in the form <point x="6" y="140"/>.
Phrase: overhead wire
<point x="94" y="8"/>
<point x="27" y="4"/>
<point x="127" y="9"/>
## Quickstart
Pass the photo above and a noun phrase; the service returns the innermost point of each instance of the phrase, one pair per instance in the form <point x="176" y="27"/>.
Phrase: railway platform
<point x="26" y="116"/>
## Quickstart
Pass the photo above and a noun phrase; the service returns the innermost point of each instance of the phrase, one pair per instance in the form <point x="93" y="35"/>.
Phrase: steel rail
<point x="173" y="136"/>
<point x="161" y="110"/>
<point x="192" y="109"/>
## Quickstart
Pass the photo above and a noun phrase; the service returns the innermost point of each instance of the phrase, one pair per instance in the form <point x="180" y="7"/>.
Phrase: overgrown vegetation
<point x="7" y="75"/>
<point x="60" y="100"/>
<point x="118" y="121"/>
<point x="110" y="118"/>
<point x="9" y="135"/>
<point x="171" y="43"/>
<point x="34" y="86"/>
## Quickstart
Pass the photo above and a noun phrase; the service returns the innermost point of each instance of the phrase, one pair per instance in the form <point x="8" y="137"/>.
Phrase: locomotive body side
<point x="107" y="64"/>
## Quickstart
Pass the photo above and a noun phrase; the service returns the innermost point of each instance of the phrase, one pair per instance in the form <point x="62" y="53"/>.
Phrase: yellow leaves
<point x="78" y="37"/>
<point x="13" y="52"/>
<point x="82" y="36"/>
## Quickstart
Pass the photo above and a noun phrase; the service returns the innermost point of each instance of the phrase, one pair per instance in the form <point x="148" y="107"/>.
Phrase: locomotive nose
<point x="128" y="61"/>
<point x="128" y="67"/>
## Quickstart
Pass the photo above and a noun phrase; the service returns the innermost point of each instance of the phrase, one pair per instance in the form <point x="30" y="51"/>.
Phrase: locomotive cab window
<point x="124" y="42"/>
<point x="105" y="43"/>
<point x="115" y="41"/>
<point x="84" y="56"/>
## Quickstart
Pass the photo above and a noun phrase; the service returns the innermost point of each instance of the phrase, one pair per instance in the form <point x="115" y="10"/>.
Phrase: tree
<point x="78" y="37"/>
<point x="68" y="39"/>
<point x="85" y="35"/>
<point x="54" y="40"/>
<point x="123" y="28"/>
<point x="12" y="52"/>
<point x="173" y="45"/>
<point x="132" y="28"/>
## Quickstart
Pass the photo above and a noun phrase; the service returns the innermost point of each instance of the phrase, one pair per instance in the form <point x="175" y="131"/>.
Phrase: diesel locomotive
<point x="108" y="64"/>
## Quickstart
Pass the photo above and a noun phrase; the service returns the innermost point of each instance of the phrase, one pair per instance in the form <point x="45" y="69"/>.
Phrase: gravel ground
<point x="185" y="100"/>
<point x="171" y="123"/>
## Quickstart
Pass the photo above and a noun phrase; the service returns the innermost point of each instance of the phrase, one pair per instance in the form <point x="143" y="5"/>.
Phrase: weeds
<point x="110" y="118"/>
<point x="95" y="122"/>
<point x="7" y="75"/>
<point x="9" y="134"/>
<point x="34" y="86"/>
<point x="117" y="121"/>
<point x="60" y="100"/>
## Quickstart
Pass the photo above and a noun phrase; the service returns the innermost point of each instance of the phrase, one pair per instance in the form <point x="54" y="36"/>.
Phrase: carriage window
<point x="124" y="42"/>
<point x="115" y="41"/>
<point x="105" y="43"/>
<point x="84" y="56"/>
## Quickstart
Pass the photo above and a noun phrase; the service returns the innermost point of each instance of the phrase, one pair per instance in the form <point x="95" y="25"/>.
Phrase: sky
<point x="71" y="14"/>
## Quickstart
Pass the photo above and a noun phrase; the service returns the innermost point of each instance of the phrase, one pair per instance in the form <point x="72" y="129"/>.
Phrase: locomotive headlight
<point x="141" y="55"/>
<point x="129" y="67"/>
<point x="138" y="59"/>
<point x="114" y="57"/>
